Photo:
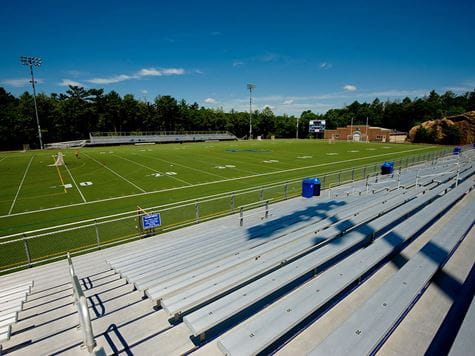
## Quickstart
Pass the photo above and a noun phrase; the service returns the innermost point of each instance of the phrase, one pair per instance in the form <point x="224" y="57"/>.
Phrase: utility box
<point x="387" y="168"/>
<point x="310" y="187"/>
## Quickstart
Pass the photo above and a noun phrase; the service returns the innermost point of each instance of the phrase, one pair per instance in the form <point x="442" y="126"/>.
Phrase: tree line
<point x="78" y="111"/>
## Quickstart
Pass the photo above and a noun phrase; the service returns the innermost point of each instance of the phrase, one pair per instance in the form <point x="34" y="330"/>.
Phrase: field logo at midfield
<point x="85" y="184"/>
<point x="247" y="150"/>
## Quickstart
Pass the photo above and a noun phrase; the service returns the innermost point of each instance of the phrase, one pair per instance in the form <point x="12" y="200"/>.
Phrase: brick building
<point x="358" y="133"/>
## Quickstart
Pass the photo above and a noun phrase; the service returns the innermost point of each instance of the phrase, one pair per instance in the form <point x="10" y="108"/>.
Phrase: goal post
<point x="59" y="160"/>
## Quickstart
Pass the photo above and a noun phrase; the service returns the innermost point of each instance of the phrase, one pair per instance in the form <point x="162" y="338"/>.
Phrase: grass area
<point x="124" y="177"/>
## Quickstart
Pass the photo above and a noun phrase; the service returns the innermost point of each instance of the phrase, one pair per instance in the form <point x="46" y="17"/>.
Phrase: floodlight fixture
<point x="34" y="62"/>
<point x="250" y="87"/>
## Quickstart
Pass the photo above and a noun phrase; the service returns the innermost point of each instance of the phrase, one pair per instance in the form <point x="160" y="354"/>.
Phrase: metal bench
<point x="270" y="324"/>
<point x="367" y="328"/>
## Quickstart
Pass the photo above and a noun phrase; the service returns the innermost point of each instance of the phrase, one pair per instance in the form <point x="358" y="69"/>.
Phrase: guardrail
<point x="27" y="249"/>
<point x="85" y="324"/>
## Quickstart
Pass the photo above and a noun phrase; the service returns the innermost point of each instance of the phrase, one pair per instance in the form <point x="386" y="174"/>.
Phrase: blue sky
<point x="301" y="55"/>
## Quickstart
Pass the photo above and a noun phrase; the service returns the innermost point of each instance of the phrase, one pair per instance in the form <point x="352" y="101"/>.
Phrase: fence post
<point x="98" y="240"/>
<point x="364" y="171"/>
<point x="232" y="201"/>
<point x="267" y="209"/>
<point x="324" y="181"/>
<point x="262" y="195"/>
<point x="197" y="212"/>
<point x="353" y="174"/>
<point x="339" y="178"/>
<point x="241" y="216"/>
<point x="286" y="190"/>
<point x="27" y="250"/>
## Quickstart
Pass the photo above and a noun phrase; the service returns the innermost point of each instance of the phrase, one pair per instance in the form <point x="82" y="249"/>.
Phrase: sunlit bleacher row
<point x="337" y="274"/>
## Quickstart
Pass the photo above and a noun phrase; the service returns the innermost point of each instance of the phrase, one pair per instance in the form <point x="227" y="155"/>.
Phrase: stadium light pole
<point x="34" y="61"/>
<point x="297" y="132"/>
<point x="250" y="87"/>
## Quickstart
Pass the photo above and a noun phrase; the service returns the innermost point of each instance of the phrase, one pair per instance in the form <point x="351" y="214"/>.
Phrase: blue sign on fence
<point x="151" y="221"/>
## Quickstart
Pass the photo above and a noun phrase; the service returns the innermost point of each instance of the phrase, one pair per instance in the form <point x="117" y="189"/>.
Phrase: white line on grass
<point x="3" y="158"/>
<point x="21" y="183"/>
<point x="117" y="174"/>
<point x="153" y="170"/>
<point x="182" y="165"/>
<point x="206" y="183"/>
<point x="79" y="190"/>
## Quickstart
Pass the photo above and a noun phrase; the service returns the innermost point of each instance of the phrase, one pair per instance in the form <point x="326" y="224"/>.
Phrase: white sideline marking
<point x="154" y="170"/>
<point x="178" y="164"/>
<point x="21" y="183"/>
<point x="117" y="174"/>
<point x="206" y="183"/>
<point x="79" y="190"/>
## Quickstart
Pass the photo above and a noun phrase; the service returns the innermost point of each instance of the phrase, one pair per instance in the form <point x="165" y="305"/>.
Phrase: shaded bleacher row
<point x="218" y="287"/>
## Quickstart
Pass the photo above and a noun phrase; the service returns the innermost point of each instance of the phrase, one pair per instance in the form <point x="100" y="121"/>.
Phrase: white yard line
<point x="79" y="190"/>
<point x="206" y="183"/>
<point x="21" y="183"/>
<point x="117" y="174"/>
<point x="3" y="158"/>
<point x="154" y="170"/>
<point x="182" y="165"/>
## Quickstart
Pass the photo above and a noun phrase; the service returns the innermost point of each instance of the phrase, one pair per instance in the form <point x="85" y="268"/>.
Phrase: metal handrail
<point x="83" y="311"/>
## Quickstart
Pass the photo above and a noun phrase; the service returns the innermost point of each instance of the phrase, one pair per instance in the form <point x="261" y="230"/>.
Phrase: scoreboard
<point x="316" y="126"/>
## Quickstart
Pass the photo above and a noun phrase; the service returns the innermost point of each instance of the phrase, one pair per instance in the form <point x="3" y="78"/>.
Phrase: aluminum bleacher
<point x="127" y="138"/>
<point x="367" y="328"/>
<point x="263" y="287"/>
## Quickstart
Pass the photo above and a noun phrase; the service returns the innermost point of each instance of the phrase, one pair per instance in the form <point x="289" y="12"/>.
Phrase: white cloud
<point x="68" y="82"/>
<point x="144" y="91"/>
<point x="268" y="107"/>
<point x="350" y="87"/>
<point x="19" y="82"/>
<point x="112" y="80"/>
<point x="210" y="101"/>
<point x="326" y="65"/>
<point x="288" y="102"/>
<point x="269" y="57"/>
<point x="398" y="93"/>
<point x="237" y="64"/>
<point x="145" y="72"/>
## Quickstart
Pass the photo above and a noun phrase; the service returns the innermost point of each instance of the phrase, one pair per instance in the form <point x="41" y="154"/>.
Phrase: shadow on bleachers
<point x="274" y="227"/>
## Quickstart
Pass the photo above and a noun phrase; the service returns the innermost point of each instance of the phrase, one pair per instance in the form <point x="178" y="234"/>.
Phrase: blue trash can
<point x="310" y="187"/>
<point x="457" y="150"/>
<point x="387" y="168"/>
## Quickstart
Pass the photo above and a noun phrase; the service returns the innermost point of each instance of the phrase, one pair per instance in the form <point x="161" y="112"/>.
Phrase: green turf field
<point x="109" y="180"/>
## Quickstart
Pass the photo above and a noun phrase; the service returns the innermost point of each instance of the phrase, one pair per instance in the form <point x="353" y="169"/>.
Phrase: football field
<point x="107" y="180"/>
